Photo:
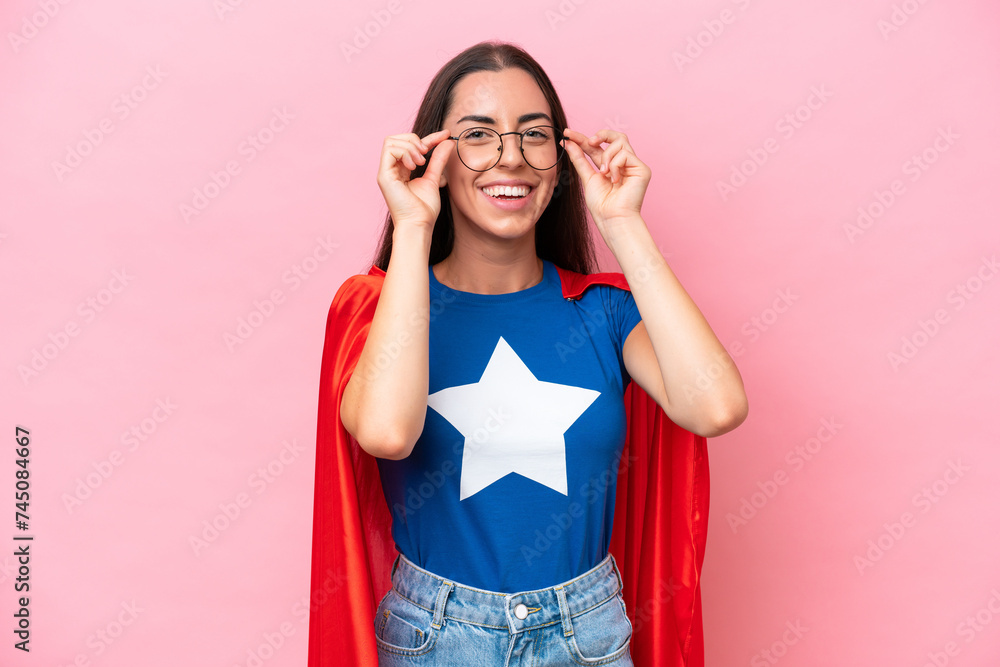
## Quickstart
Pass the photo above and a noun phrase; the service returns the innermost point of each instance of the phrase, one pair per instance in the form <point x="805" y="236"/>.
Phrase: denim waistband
<point x="447" y="599"/>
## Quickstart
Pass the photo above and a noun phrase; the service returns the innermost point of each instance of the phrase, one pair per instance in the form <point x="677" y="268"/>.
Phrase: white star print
<point x="512" y="423"/>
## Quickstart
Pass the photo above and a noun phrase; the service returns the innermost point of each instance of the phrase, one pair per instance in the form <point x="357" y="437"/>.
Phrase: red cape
<point x="660" y="526"/>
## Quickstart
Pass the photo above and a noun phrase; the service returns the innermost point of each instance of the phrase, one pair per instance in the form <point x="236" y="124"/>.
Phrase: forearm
<point x="385" y="401"/>
<point x="684" y="343"/>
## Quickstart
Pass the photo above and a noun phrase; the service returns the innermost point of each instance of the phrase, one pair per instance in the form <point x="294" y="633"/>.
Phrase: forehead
<point x="502" y="95"/>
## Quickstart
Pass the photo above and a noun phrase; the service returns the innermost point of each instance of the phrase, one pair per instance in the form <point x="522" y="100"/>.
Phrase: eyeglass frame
<point x="560" y="150"/>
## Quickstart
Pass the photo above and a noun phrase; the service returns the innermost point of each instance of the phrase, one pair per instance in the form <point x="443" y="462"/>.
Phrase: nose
<point x="511" y="156"/>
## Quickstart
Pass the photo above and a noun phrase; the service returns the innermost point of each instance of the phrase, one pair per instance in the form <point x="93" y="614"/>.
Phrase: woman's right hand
<point x="417" y="201"/>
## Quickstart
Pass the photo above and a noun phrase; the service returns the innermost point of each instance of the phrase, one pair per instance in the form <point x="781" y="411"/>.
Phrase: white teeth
<point x="507" y="190"/>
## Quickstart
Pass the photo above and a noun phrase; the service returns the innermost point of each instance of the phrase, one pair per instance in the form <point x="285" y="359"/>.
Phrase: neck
<point x="499" y="269"/>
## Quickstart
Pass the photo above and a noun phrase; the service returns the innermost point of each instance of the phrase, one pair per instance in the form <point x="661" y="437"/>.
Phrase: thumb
<point x="439" y="158"/>
<point x="579" y="160"/>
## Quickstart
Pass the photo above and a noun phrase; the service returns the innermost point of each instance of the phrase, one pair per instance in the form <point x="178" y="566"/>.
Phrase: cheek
<point x="550" y="188"/>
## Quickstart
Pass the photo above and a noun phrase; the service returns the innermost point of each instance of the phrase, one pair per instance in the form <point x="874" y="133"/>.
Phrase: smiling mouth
<point x="507" y="192"/>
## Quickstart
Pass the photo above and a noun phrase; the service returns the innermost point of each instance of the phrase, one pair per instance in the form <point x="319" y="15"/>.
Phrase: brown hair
<point x="562" y="233"/>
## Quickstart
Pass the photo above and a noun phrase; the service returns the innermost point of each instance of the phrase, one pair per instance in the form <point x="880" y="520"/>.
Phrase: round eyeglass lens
<point x="479" y="148"/>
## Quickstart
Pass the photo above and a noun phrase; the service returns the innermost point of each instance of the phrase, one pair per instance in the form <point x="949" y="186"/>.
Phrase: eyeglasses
<point x="480" y="148"/>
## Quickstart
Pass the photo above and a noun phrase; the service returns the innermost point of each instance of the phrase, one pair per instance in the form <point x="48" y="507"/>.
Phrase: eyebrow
<point x="521" y="119"/>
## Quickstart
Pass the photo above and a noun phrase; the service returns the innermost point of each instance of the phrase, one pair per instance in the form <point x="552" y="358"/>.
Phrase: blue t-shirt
<point x="511" y="485"/>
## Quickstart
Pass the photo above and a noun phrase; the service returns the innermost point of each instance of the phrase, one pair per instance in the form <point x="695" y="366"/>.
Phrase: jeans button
<point x="521" y="612"/>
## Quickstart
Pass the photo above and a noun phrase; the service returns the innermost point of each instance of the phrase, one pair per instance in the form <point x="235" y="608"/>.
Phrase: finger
<point x="624" y="161"/>
<point x="583" y="142"/>
<point x="579" y="160"/>
<point x="607" y="136"/>
<point x="439" y="158"/>
<point x="416" y="146"/>
<point x="412" y="139"/>
<point x="616" y="143"/>
<point x="392" y="156"/>
<point x="430" y="141"/>
<point x="614" y="157"/>
<point x="413" y="146"/>
<point x="617" y="166"/>
<point x="407" y="160"/>
<point x="433" y="139"/>
<point x="613" y="160"/>
<point x="402" y="150"/>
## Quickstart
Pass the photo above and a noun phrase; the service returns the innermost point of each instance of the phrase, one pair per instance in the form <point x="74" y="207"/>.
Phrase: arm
<point x="384" y="404"/>
<point x="673" y="346"/>
<point x="385" y="401"/>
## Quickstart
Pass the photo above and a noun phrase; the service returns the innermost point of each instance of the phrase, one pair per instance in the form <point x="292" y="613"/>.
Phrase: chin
<point x="506" y="227"/>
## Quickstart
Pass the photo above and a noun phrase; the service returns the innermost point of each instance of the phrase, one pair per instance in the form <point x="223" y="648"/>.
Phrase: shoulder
<point x="358" y="290"/>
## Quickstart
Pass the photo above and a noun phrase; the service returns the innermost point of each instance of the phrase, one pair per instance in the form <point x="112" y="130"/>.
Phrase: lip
<point x="509" y="204"/>
<point x="507" y="181"/>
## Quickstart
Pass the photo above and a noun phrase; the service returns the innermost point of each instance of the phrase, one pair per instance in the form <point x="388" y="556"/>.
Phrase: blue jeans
<point x="427" y="620"/>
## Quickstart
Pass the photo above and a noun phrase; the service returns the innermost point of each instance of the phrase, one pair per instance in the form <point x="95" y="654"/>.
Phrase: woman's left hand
<point x="615" y="190"/>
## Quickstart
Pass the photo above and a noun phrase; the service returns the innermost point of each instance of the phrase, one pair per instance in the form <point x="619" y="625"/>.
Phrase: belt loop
<point x="395" y="564"/>
<point x="618" y="574"/>
<point x="439" y="604"/>
<point x="567" y="622"/>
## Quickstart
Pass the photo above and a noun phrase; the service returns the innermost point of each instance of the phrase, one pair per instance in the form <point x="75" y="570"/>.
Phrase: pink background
<point x="868" y="483"/>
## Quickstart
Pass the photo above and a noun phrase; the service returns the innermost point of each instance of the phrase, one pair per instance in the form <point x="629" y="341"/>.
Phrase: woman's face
<point x="506" y="101"/>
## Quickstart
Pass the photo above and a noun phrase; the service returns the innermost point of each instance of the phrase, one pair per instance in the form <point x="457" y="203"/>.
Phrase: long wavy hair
<point x="562" y="233"/>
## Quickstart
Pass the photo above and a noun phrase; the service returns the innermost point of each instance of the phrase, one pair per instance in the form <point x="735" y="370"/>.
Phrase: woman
<point x="483" y="367"/>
